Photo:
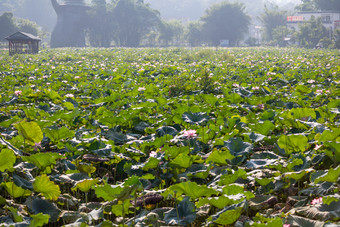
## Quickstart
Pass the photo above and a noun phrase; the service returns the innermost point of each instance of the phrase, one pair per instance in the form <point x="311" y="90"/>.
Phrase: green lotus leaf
<point x="191" y="189"/>
<point x="59" y="134"/>
<point x="301" y="113"/>
<point x="237" y="147"/>
<point x="297" y="175"/>
<point x="234" y="189"/>
<point x="85" y="185"/>
<point x="182" y="161"/>
<point x="221" y="201"/>
<point x="7" y="159"/>
<point x="16" y="191"/>
<point x="31" y="131"/>
<point x="16" y="216"/>
<point x="302" y="89"/>
<point x="320" y="189"/>
<point x="293" y="143"/>
<point x="107" y="192"/>
<point x="332" y="175"/>
<point x="329" y="199"/>
<point x="198" y="118"/>
<point x="268" y="115"/>
<point x="322" y="212"/>
<point x="260" y="163"/>
<point x="184" y="214"/>
<point x="43" y="160"/>
<point x="151" y="163"/>
<point x="117" y="136"/>
<point x="39" y="220"/>
<point x="220" y="157"/>
<point x="264" y="181"/>
<point x="264" y="128"/>
<point x="226" y="179"/>
<point x="229" y="215"/>
<point x="84" y="167"/>
<point x="96" y="214"/>
<point x="118" y="209"/>
<point x="2" y="200"/>
<point x="21" y="182"/>
<point x="173" y="152"/>
<point x="73" y="178"/>
<point x="166" y="130"/>
<point x="295" y="220"/>
<point x="37" y="206"/>
<point x="255" y="137"/>
<point x="46" y="187"/>
<point x="262" y="202"/>
<point x="329" y="135"/>
<point x="68" y="105"/>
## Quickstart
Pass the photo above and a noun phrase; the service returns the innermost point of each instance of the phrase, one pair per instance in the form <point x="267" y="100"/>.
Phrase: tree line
<point x="133" y="23"/>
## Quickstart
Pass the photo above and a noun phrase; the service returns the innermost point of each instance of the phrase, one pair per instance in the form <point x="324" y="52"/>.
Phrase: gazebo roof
<point x="22" y="36"/>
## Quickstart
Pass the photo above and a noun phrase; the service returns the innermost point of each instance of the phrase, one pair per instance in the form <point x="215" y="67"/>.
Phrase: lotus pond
<point x="161" y="137"/>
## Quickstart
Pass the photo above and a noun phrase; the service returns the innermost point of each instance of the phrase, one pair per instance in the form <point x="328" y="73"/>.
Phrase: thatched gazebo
<point x="23" y="43"/>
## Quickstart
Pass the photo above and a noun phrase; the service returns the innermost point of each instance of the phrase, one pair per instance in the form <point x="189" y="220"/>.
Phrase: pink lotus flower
<point x="69" y="96"/>
<point x="141" y="89"/>
<point x="189" y="133"/>
<point x="236" y="85"/>
<point x="37" y="145"/>
<point x="153" y="154"/>
<point x="17" y="93"/>
<point x="286" y="225"/>
<point x="256" y="88"/>
<point x="260" y="106"/>
<point x="316" y="201"/>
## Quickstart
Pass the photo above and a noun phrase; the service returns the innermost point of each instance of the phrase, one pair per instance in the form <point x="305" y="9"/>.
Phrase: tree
<point x="271" y="19"/>
<point x="225" y="21"/>
<point x="7" y="25"/>
<point x="328" y="4"/>
<point x="306" y="5"/>
<point x="171" y="32"/>
<point x="280" y="34"/>
<point x="134" y="20"/>
<point x="311" y="32"/>
<point x="101" y="29"/>
<point x="194" y="33"/>
<point x="28" y="26"/>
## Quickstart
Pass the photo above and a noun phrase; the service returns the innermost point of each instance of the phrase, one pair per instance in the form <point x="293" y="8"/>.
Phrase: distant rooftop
<point x="74" y="2"/>
<point x="22" y="36"/>
<point x="309" y="12"/>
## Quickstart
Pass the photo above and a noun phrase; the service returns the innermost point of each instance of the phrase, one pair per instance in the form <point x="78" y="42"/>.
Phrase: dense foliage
<point x="170" y="137"/>
<point x="9" y="25"/>
<point x="225" y="21"/>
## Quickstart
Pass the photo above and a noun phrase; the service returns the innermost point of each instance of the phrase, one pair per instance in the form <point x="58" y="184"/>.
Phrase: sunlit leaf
<point x="46" y="187"/>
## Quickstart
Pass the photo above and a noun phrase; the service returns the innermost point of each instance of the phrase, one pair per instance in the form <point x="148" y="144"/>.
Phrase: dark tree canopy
<point x="311" y="32"/>
<point x="7" y="25"/>
<point x="101" y="27"/>
<point x="225" y="21"/>
<point x="328" y="4"/>
<point x="271" y="19"/>
<point x="10" y="25"/>
<point x="134" y="19"/>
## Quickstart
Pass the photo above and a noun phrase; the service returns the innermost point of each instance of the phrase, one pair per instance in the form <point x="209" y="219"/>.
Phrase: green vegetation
<point x="115" y="137"/>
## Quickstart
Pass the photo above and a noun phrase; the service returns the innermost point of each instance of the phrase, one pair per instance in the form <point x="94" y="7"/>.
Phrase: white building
<point x="330" y="19"/>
